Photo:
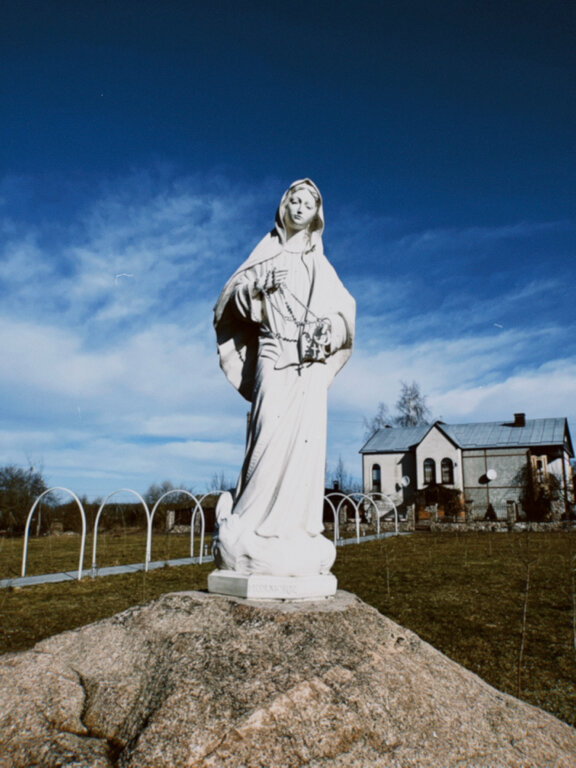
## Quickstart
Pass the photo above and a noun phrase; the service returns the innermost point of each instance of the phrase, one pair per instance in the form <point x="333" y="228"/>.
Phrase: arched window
<point x="429" y="471"/>
<point x="447" y="472"/>
<point x="376" y="478"/>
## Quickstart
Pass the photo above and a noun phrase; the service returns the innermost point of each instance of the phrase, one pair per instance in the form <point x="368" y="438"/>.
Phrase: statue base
<point x="258" y="586"/>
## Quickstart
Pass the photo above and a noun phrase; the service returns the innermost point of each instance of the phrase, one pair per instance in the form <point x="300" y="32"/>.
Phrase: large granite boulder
<point x="201" y="680"/>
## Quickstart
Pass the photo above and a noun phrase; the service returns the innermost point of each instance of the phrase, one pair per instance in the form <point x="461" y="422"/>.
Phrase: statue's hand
<point x="315" y="345"/>
<point x="274" y="279"/>
<point x="323" y="331"/>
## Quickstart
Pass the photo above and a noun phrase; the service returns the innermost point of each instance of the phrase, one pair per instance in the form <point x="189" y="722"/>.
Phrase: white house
<point x="482" y="462"/>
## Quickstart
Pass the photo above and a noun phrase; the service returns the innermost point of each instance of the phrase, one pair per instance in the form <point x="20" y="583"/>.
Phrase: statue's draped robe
<point x="281" y="487"/>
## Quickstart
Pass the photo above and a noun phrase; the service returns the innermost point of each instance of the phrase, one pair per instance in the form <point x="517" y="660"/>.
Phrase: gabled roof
<point x="395" y="439"/>
<point x="492" y="434"/>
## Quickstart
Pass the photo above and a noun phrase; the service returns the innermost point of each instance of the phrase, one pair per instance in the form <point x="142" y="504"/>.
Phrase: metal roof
<point x="394" y="439"/>
<point x="498" y="435"/>
<point x="492" y="434"/>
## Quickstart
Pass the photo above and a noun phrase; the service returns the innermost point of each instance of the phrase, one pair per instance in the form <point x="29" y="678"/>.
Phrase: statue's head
<point x="300" y="208"/>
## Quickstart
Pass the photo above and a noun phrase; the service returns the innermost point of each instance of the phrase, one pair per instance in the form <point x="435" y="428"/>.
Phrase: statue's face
<point x="300" y="209"/>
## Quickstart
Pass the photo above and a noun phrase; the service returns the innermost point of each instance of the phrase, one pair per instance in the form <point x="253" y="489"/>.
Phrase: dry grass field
<point x="53" y="554"/>
<point x="501" y="604"/>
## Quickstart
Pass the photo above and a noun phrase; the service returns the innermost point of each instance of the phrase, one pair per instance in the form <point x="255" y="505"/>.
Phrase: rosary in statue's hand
<point x="323" y="331"/>
<point x="275" y="278"/>
<point x="314" y="344"/>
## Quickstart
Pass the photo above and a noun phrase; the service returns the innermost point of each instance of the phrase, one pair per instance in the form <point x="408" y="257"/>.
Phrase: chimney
<point x="519" y="419"/>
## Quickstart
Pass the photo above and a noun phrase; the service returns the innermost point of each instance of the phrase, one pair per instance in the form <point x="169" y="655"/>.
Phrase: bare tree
<point x="345" y="482"/>
<point x="220" y="482"/>
<point x="378" y="421"/>
<point x="411" y="411"/>
<point x="411" y="406"/>
<point x="155" y="491"/>
<point x="339" y="475"/>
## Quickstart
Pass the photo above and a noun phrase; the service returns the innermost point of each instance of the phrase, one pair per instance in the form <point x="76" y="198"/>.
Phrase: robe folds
<point x="278" y="503"/>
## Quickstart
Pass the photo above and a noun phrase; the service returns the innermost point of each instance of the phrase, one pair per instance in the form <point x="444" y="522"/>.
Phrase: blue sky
<point x="144" y="147"/>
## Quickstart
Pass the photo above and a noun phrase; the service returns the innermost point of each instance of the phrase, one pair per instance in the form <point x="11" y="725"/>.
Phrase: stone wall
<point x="502" y="525"/>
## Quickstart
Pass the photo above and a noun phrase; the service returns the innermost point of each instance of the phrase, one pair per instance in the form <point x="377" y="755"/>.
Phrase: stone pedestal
<point x="257" y="586"/>
<point x="205" y="680"/>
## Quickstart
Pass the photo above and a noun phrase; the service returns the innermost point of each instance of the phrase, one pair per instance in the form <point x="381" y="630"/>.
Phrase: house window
<point x="429" y="471"/>
<point x="376" y="479"/>
<point x="447" y="472"/>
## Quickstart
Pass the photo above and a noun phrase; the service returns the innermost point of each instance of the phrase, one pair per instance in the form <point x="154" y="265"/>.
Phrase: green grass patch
<point x="465" y="594"/>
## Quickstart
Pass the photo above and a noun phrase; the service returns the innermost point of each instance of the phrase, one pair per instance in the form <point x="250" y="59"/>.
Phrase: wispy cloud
<point x="111" y="375"/>
<point x="465" y="238"/>
<point x="169" y="241"/>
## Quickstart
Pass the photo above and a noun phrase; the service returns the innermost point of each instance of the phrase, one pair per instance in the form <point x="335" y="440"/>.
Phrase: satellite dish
<point x="491" y="474"/>
<point x="405" y="482"/>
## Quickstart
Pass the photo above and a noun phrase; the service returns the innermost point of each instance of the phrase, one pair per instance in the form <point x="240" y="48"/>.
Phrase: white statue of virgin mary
<point x="284" y="324"/>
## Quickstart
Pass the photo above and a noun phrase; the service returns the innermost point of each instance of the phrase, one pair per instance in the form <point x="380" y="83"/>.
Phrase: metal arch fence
<point x="148" y="525"/>
<point x="29" y="518"/>
<point x="197" y="508"/>
<point x="389" y="500"/>
<point x="344" y="498"/>
<point x="355" y="499"/>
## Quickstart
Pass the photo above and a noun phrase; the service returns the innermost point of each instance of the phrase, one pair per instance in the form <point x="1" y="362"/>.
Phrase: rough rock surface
<point x="201" y="680"/>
